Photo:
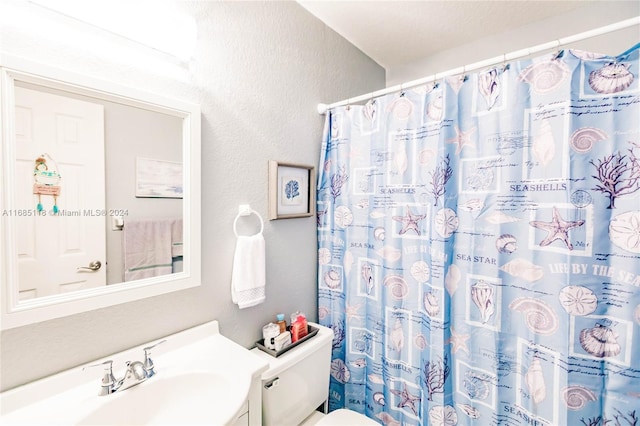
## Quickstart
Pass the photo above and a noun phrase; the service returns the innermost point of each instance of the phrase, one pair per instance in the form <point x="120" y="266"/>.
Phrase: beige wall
<point x="259" y="71"/>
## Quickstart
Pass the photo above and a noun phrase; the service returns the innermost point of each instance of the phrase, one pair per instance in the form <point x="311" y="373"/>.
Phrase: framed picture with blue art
<point x="291" y="190"/>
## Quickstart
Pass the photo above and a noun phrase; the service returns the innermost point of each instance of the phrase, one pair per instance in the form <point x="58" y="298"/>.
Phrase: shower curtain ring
<point x="558" y="54"/>
<point x="505" y="66"/>
<point x="435" y="80"/>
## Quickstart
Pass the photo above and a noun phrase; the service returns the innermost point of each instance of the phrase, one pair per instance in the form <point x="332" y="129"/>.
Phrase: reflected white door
<point x="51" y="247"/>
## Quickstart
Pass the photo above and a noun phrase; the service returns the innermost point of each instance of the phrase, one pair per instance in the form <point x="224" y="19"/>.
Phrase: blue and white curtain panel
<point x="479" y="247"/>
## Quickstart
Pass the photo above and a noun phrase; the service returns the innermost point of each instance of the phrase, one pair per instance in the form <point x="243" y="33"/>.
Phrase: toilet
<point x="297" y="383"/>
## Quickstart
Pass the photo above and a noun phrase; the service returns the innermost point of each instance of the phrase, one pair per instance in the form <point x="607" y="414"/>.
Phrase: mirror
<point x="100" y="198"/>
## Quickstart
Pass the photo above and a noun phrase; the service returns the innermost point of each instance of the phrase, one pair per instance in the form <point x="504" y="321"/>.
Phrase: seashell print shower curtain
<point x="479" y="247"/>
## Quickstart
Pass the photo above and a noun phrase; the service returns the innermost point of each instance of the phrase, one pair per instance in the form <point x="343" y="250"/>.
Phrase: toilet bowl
<point x="297" y="384"/>
<point x="343" y="417"/>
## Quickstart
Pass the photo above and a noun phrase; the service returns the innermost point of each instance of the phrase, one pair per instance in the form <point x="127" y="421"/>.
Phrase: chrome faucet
<point x="136" y="373"/>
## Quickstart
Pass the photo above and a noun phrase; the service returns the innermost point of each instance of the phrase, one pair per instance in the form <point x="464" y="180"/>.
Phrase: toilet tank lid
<point x="297" y="354"/>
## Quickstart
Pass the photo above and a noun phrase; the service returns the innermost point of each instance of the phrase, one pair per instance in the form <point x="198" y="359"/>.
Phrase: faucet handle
<point x="108" y="380"/>
<point x="148" y="362"/>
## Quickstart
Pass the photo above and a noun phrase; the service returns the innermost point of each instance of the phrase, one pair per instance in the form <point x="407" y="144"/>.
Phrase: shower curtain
<point x="479" y="247"/>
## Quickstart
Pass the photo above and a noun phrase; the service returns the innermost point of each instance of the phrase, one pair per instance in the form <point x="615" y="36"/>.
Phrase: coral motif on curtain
<point x="479" y="247"/>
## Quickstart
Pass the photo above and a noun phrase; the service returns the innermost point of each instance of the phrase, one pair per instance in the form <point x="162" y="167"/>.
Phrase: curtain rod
<point x="323" y="108"/>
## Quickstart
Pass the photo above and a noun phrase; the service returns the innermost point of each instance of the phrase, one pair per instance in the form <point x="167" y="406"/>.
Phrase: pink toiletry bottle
<point x="299" y="326"/>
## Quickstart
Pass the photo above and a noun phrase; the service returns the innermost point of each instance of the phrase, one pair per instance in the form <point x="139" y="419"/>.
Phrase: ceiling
<point x="423" y="28"/>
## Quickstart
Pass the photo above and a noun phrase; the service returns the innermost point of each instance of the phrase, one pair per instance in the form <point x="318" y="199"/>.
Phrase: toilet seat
<point x="343" y="417"/>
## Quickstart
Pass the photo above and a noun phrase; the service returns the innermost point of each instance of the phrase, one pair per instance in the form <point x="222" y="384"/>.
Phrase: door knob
<point x="93" y="266"/>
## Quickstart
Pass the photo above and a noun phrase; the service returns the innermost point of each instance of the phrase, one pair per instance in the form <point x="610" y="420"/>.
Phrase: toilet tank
<point x="297" y="382"/>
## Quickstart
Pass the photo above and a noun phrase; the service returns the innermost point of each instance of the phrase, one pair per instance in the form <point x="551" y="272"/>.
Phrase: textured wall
<point x="259" y="71"/>
<point x="587" y="17"/>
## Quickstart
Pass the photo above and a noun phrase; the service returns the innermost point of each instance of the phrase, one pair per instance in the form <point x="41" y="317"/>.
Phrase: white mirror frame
<point x="17" y="313"/>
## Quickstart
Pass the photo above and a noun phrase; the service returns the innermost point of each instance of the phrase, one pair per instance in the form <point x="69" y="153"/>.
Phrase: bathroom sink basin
<point x="201" y="377"/>
<point x="189" y="398"/>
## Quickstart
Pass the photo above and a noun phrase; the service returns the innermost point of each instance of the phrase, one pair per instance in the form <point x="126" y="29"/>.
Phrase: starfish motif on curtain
<point x="458" y="341"/>
<point x="557" y="229"/>
<point x="462" y="139"/>
<point x="352" y="311"/>
<point x="407" y="399"/>
<point x="409" y="221"/>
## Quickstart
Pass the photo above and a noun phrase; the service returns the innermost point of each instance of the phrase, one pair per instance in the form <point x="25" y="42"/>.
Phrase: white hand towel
<point x="248" y="278"/>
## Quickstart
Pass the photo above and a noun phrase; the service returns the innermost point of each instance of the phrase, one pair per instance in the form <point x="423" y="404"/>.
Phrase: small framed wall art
<point x="158" y="178"/>
<point x="292" y="189"/>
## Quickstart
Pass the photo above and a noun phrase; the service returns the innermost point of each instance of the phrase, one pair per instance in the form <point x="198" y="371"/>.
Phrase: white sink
<point x="201" y="378"/>
<point x="189" y="398"/>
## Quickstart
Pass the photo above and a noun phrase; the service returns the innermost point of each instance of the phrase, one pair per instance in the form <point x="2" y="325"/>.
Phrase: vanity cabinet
<point x="243" y="420"/>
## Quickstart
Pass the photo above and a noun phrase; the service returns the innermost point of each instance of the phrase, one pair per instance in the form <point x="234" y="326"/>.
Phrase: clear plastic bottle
<point x="294" y="316"/>
<point x="281" y="322"/>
